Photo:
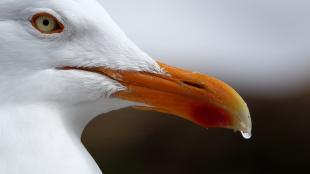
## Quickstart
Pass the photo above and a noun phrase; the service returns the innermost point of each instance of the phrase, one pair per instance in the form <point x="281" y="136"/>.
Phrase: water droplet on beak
<point x="246" y="135"/>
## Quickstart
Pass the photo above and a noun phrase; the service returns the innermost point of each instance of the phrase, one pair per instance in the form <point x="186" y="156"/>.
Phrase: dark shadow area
<point x="139" y="142"/>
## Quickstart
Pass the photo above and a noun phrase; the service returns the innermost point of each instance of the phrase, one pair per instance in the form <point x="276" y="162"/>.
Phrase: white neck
<point x="44" y="138"/>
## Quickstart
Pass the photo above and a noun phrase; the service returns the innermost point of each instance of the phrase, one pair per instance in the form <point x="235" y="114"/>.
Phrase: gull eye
<point x="46" y="23"/>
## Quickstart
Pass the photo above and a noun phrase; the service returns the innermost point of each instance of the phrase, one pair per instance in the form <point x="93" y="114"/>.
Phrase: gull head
<point x="70" y="52"/>
<point x="87" y="37"/>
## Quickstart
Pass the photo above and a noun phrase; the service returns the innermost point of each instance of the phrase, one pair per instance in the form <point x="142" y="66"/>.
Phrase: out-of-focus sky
<point x="261" y="47"/>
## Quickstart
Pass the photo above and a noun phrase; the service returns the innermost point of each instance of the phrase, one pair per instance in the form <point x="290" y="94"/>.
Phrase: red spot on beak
<point x="208" y="116"/>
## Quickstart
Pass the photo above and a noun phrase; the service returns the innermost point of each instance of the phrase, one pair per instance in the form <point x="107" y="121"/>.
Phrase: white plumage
<point x="43" y="111"/>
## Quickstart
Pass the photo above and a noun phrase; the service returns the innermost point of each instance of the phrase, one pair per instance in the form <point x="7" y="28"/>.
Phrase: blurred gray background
<point x="262" y="48"/>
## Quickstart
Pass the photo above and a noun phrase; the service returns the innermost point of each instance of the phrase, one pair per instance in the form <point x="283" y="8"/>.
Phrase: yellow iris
<point x="46" y="24"/>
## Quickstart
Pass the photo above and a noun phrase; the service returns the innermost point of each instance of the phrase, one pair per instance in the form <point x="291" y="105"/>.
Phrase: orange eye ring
<point x="46" y="23"/>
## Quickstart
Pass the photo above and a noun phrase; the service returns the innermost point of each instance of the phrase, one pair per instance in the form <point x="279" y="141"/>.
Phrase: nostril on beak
<point x="195" y="85"/>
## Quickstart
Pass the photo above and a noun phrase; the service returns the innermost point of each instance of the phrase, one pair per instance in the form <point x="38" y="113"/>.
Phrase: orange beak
<point x="199" y="98"/>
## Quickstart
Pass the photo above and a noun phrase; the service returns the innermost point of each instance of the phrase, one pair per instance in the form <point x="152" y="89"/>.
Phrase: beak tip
<point x="245" y="122"/>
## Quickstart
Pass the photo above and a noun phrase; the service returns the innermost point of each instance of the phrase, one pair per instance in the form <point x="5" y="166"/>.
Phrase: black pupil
<point x="46" y="22"/>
